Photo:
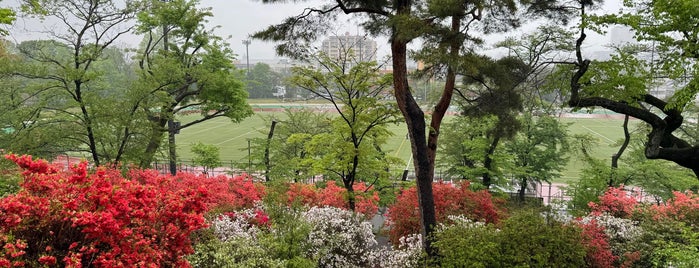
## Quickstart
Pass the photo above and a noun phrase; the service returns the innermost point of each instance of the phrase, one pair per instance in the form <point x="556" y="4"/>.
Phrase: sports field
<point x="232" y="138"/>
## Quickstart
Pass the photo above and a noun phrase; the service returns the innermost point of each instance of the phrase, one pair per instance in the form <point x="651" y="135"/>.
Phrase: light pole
<point x="247" y="42"/>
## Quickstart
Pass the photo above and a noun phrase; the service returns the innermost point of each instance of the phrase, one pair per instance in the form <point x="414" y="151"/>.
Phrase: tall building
<point x="361" y="48"/>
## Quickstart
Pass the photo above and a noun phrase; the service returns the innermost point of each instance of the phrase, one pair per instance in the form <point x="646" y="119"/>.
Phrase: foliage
<point x="467" y="244"/>
<point x="352" y="149"/>
<point x="403" y="216"/>
<point x="236" y="252"/>
<point x="247" y="240"/>
<point x="191" y="69"/>
<point x="334" y="196"/>
<point x="621" y="84"/>
<point x="591" y="185"/>
<point x="466" y="145"/>
<point x="538" y="150"/>
<point x="9" y="179"/>
<point x="77" y="81"/>
<point x="206" y="155"/>
<point x="7" y="16"/>
<point x="657" y="179"/>
<point x="527" y="239"/>
<point x="623" y="232"/>
<point x="101" y="219"/>
<point x="289" y="158"/>
<point x="262" y="81"/>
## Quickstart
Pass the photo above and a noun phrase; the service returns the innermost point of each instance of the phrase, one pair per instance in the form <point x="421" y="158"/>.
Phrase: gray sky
<point x="240" y="18"/>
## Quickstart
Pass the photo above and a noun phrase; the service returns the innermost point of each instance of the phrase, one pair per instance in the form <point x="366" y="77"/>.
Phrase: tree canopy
<point x="667" y="50"/>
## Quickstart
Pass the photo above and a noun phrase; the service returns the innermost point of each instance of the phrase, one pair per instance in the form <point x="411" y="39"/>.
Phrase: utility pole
<point x="247" y="42"/>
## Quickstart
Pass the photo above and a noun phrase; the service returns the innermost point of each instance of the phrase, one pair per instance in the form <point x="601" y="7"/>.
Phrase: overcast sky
<point x="240" y="18"/>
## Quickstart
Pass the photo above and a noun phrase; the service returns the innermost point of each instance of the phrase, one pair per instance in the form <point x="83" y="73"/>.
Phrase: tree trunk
<point x="349" y="186"/>
<point x="488" y="162"/>
<point x="415" y="121"/>
<point x="171" y="146"/>
<point x="92" y="143"/>
<point x="269" y="140"/>
<point x="617" y="155"/>
<point x="156" y="137"/>
<point x="522" y="190"/>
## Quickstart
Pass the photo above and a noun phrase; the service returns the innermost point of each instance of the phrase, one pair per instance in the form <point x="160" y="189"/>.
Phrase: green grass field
<point x="232" y="138"/>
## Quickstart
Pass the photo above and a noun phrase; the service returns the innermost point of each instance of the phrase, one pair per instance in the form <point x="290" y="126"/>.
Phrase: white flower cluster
<point x="236" y="227"/>
<point x="339" y="238"/>
<point x="461" y="221"/>
<point x="408" y="253"/>
<point x="617" y="229"/>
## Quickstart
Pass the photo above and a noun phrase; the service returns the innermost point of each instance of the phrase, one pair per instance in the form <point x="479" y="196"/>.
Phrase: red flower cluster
<point x="366" y="199"/>
<point x="683" y="207"/>
<point x="404" y="215"/>
<point x="77" y="219"/>
<point x="257" y="218"/>
<point x="596" y="243"/>
<point x="616" y="202"/>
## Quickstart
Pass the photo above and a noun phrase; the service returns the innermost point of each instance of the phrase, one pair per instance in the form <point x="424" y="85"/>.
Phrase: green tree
<point x="262" y="81"/>
<point x="206" y="155"/>
<point x="354" y="88"/>
<point x="622" y="83"/>
<point x="539" y="151"/>
<point x="186" y="68"/>
<point x="68" y="76"/>
<point x="494" y="93"/>
<point x="289" y="159"/>
<point x="468" y="149"/>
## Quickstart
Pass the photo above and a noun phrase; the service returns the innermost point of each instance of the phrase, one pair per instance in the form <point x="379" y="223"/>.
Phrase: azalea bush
<point x="245" y="238"/>
<point x="100" y="219"/>
<point x="620" y="231"/>
<point x="408" y="253"/>
<point x="339" y="238"/>
<point x="403" y="217"/>
<point x="332" y="195"/>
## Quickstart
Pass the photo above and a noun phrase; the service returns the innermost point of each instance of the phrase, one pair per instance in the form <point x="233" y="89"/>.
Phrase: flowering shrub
<point x="682" y="207"/>
<point x="76" y="219"/>
<point x="366" y="199"/>
<point x="224" y="193"/>
<point x="616" y="202"/>
<point x="619" y="232"/>
<point x="407" y="254"/>
<point x="403" y="217"/>
<point x="248" y="238"/>
<point x="241" y="224"/>
<point x="339" y="238"/>
<point x="596" y="242"/>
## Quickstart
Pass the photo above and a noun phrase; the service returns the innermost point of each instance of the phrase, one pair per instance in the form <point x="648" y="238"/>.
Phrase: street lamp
<point x="247" y="42"/>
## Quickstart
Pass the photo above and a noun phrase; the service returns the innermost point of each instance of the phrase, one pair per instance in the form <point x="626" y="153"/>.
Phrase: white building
<point x="361" y="48"/>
